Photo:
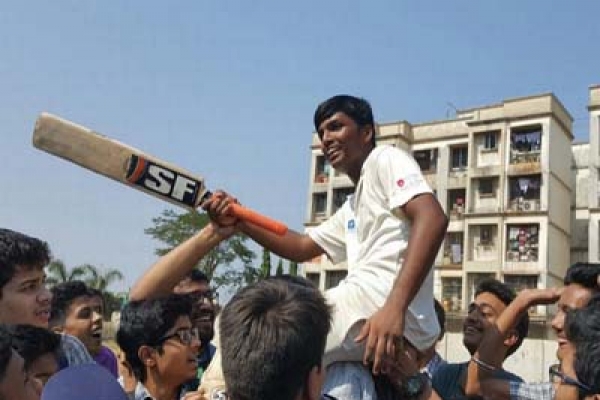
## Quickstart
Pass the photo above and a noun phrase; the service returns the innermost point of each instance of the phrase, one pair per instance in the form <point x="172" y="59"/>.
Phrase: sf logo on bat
<point x="162" y="180"/>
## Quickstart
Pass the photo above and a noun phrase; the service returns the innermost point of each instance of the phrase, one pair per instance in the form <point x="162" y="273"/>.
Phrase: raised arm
<point x="165" y="274"/>
<point x="294" y="246"/>
<point x="489" y="356"/>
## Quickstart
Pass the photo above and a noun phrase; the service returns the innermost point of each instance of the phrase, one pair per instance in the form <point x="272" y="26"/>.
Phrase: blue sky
<point x="227" y="89"/>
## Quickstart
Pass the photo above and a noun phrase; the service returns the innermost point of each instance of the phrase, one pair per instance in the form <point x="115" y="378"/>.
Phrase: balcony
<point x="525" y="193"/>
<point x="525" y="150"/>
<point x="456" y="203"/>
<point x="427" y="160"/>
<point x="522" y="248"/>
<point x="453" y="250"/>
<point x="524" y="205"/>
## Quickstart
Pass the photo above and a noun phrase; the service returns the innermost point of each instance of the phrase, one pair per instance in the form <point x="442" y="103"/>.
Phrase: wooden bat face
<point x="132" y="167"/>
<point x="118" y="161"/>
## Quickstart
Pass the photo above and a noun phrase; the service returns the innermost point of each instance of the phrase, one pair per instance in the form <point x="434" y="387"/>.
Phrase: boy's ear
<point x="147" y="356"/>
<point x="368" y="132"/>
<point x="511" y="338"/>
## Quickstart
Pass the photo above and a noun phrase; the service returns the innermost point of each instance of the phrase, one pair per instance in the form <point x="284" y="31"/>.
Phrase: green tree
<point x="59" y="273"/>
<point x="100" y="279"/>
<point x="265" y="267"/>
<point x="293" y="268"/>
<point x="172" y="229"/>
<point x="279" y="270"/>
<point x="92" y="276"/>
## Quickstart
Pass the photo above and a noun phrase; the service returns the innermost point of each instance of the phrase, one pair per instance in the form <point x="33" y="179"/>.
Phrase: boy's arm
<point x="170" y="269"/>
<point x="294" y="246"/>
<point x="489" y="354"/>
<point x="384" y="330"/>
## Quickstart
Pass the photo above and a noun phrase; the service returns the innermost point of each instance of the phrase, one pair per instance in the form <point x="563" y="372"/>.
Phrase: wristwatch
<point x="414" y="385"/>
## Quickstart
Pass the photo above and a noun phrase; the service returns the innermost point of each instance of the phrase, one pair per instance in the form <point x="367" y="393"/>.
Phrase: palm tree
<point x="100" y="279"/>
<point x="59" y="273"/>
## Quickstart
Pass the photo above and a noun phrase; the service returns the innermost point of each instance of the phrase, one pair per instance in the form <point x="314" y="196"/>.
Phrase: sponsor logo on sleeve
<point x="410" y="181"/>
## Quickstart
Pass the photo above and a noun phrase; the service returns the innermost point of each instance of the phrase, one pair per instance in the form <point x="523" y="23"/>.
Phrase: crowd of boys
<point x="371" y="337"/>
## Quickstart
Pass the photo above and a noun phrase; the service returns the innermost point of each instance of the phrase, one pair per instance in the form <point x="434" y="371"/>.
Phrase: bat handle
<point x="258" y="219"/>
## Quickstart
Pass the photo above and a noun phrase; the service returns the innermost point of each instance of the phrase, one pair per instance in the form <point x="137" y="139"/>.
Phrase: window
<point x="340" y="196"/>
<point x="314" y="277"/>
<point x="452" y="294"/>
<point x="456" y="201"/>
<point x="319" y="204"/>
<point x="453" y="252"/>
<point x="486" y="187"/>
<point x="459" y="157"/>
<point x="526" y="187"/>
<point x="333" y="278"/>
<point x="489" y="141"/>
<point x="485" y="234"/>
<point x="427" y="159"/>
<point x="525" y="145"/>
<point x="520" y="282"/>
<point x="526" y="139"/>
<point x="522" y="243"/>
<point x="322" y="170"/>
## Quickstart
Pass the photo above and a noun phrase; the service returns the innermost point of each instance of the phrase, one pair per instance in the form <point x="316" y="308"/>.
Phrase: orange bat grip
<point x="258" y="219"/>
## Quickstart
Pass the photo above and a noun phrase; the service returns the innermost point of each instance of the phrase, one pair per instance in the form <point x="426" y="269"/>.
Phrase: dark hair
<point x="583" y="330"/>
<point x="272" y="334"/>
<point x="145" y="322"/>
<point x="440" y="313"/>
<point x="584" y="274"/>
<point x="197" y="276"/>
<point x="506" y="296"/>
<point x="19" y="250"/>
<point x="32" y="342"/>
<point x="63" y="296"/>
<point x="5" y="350"/>
<point x="358" y="109"/>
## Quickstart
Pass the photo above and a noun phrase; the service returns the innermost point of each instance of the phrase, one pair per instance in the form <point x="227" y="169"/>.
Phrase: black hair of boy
<point x="32" y="342"/>
<point x="18" y="250"/>
<point x="273" y="334"/>
<point x="145" y="322"/>
<point x="63" y="296"/>
<point x="357" y="109"/>
<point x="583" y="330"/>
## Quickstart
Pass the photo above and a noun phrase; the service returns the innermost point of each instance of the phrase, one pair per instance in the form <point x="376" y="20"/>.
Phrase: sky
<point x="227" y="89"/>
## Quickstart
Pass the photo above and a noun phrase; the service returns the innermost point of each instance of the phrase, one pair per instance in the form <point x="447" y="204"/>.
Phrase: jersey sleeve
<point x="401" y="177"/>
<point x="331" y="235"/>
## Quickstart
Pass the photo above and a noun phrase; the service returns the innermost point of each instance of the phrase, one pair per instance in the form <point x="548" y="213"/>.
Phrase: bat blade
<point x="130" y="166"/>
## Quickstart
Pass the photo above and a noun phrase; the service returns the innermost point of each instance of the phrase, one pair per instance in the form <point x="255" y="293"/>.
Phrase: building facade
<point x="521" y="197"/>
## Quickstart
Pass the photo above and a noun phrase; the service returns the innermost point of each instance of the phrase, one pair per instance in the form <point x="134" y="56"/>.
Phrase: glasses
<point x="557" y="376"/>
<point x="185" y="336"/>
<point x="199" y="297"/>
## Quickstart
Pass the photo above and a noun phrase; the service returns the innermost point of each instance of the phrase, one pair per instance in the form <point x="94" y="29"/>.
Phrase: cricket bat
<point x="132" y="167"/>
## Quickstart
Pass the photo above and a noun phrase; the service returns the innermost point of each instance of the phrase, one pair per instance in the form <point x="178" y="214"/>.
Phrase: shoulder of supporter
<point x="446" y="377"/>
<point x="74" y="351"/>
<point x="531" y="391"/>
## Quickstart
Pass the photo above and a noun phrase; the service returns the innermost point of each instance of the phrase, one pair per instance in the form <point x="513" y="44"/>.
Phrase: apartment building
<point x="594" y="176"/>
<point x="503" y="175"/>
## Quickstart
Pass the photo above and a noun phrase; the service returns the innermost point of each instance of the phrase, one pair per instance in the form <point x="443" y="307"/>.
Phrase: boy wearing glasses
<point x="160" y="345"/>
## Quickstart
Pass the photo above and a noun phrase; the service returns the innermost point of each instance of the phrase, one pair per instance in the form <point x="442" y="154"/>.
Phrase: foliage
<point x="293" y="268"/>
<point x="93" y="277"/>
<point x="279" y="270"/>
<point x="172" y="229"/>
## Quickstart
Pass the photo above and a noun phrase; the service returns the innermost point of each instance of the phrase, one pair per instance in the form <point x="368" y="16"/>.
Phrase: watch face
<point x="414" y="385"/>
